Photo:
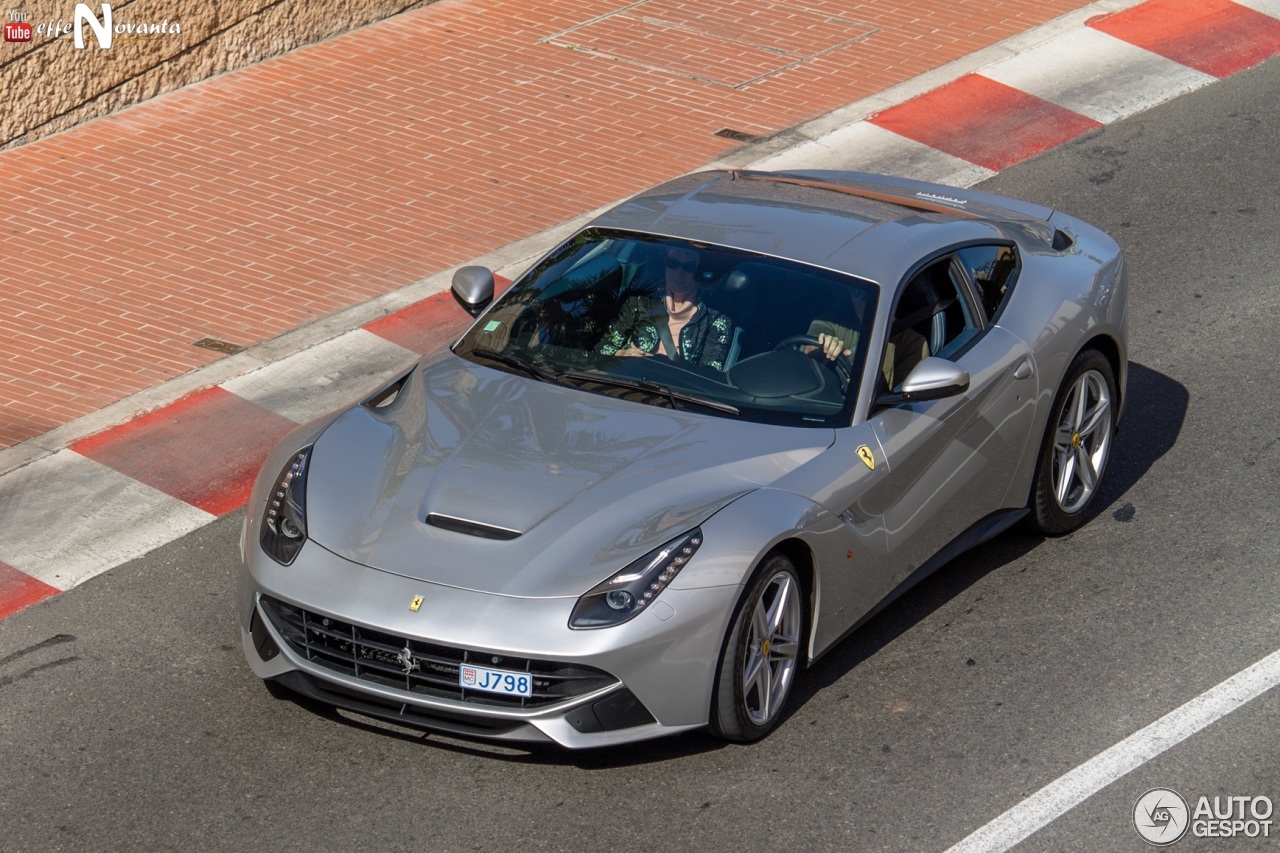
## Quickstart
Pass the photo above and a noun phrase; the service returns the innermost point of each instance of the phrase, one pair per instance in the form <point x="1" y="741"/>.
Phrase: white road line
<point x="1059" y="797"/>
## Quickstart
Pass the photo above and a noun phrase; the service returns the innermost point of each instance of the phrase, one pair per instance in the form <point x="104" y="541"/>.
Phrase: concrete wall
<point x="47" y="85"/>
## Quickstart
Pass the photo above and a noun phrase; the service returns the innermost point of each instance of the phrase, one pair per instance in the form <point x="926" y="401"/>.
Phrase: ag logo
<point x="1161" y="816"/>
<point x="864" y="453"/>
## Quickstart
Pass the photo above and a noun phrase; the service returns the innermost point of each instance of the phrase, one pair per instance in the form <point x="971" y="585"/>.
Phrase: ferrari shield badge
<point x="416" y="603"/>
<point x="864" y="453"/>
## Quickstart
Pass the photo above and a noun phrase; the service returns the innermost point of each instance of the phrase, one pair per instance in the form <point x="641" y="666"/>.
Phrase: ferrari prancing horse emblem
<point x="416" y="603"/>
<point x="864" y="453"/>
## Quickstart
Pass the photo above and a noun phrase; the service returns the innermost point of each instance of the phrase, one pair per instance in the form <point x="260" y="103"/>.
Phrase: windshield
<point x="686" y="325"/>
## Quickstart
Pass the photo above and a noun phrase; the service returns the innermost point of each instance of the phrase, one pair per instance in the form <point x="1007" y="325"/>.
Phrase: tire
<point x="1077" y="446"/>
<point x="761" y="654"/>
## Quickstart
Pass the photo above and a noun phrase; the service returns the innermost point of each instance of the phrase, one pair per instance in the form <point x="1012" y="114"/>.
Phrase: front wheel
<point x="760" y="657"/>
<point x="1077" y="445"/>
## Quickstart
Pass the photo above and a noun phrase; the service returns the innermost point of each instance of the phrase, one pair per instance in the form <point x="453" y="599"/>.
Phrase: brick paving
<point x="250" y="204"/>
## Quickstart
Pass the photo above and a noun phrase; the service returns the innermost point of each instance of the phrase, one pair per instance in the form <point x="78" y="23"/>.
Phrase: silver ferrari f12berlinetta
<point x="685" y="454"/>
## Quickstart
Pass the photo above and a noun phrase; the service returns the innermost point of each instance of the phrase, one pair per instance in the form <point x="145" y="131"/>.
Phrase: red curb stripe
<point x="425" y="326"/>
<point x="429" y="325"/>
<point x="985" y="122"/>
<point x="1217" y="37"/>
<point x="204" y="449"/>
<point x="18" y="591"/>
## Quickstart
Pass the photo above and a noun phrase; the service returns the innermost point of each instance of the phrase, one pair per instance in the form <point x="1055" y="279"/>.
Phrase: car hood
<point x="579" y="483"/>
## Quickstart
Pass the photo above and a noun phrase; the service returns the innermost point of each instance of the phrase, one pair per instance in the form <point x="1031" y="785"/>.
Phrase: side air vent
<point x="471" y="528"/>
<point x="1062" y="240"/>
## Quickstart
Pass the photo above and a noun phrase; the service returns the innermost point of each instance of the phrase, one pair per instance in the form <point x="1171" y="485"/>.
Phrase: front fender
<point x="835" y="551"/>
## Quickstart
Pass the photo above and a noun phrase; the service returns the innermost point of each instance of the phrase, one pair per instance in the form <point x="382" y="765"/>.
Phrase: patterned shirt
<point x="704" y="340"/>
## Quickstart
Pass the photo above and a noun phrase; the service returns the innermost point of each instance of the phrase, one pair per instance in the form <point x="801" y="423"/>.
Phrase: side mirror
<point x="473" y="289"/>
<point x="931" y="379"/>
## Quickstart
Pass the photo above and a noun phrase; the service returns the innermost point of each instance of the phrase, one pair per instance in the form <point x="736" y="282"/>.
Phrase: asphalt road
<point x="129" y="721"/>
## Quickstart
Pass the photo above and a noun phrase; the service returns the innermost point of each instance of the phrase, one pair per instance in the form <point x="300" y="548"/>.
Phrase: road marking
<point x="873" y="149"/>
<point x="1117" y="80"/>
<point x="324" y="377"/>
<point x="66" y="518"/>
<point x="985" y="122"/>
<point x="1060" y="796"/>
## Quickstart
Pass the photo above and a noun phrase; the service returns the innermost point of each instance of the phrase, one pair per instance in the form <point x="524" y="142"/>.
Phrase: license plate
<point x="495" y="680"/>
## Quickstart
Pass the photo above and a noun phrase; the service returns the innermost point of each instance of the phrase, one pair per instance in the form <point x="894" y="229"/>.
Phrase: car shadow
<point x="1154" y="414"/>
<point x="1155" y="410"/>
<point x="598" y="758"/>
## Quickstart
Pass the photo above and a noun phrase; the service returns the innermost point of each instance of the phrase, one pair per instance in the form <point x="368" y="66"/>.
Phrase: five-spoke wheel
<point x="761" y="654"/>
<point x="1077" y="446"/>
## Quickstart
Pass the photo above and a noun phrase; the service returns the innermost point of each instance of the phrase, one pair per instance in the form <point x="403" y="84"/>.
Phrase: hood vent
<point x="387" y="394"/>
<point x="471" y="528"/>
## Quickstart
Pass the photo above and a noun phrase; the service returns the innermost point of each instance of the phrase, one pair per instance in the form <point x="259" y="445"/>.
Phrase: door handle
<point x="1025" y="370"/>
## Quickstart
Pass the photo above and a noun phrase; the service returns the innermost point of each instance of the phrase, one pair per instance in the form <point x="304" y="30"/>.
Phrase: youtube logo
<point x="17" y="31"/>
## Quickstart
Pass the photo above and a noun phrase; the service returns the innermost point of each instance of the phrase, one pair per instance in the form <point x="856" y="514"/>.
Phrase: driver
<point x="905" y="348"/>
<point x="679" y="325"/>
<point x="835" y="339"/>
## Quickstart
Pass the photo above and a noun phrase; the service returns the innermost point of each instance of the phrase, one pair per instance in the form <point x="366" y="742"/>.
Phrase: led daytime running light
<point x="284" y="526"/>
<point x="631" y="590"/>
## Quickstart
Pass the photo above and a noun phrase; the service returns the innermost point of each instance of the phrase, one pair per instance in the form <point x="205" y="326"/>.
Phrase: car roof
<point x="872" y="226"/>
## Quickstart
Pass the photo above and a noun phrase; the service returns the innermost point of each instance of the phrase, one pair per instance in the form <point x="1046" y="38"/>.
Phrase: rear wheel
<point x="1077" y="445"/>
<point x="761" y="654"/>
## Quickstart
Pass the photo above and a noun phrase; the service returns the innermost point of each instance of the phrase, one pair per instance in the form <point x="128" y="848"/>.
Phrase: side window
<point x="933" y="317"/>
<point x="991" y="269"/>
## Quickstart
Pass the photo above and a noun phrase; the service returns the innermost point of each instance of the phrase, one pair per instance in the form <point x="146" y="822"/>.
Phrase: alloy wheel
<point x="773" y="645"/>
<point x="1082" y="441"/>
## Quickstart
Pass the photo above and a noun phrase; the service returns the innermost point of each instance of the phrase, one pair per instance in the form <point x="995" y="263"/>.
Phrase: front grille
<point x="379" y="658"/>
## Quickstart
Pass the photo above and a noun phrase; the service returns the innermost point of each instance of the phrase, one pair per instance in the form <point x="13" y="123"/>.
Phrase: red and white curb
<point x="73" y="513"/>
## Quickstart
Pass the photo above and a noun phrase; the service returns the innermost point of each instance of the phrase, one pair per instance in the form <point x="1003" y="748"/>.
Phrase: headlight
<point x="284" y="527"/>
<point x="634" y="588"/>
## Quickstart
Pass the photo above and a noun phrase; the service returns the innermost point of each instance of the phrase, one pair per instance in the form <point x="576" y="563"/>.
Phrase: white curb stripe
<point x="1097" y="75"/>
<point x="1266" y="7"/>
<point x="1057" y="798"/>
<point x="878" y="150"/>
<point x="318" y="380"/>
<point x="65" y="519"/>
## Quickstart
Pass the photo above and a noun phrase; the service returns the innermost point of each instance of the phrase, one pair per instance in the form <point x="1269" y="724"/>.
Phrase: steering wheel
<point x="842" y="364"/>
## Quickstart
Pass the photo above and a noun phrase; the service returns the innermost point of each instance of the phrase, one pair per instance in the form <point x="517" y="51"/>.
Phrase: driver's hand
<point x="833" y="347"/>
<point x="630" y="350"/>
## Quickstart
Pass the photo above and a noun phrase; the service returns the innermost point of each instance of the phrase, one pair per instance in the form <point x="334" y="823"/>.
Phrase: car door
<point x="950" y="461"/>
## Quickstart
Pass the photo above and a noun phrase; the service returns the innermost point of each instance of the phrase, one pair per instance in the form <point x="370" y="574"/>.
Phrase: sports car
<point x="685" y="454"/>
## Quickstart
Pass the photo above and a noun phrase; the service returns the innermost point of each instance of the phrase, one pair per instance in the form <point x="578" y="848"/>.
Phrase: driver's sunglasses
<point x="688" y="266"/>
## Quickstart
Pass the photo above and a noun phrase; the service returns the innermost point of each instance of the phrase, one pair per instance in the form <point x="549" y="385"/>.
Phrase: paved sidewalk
<point x="247" y="205"/>
<point x="309" y="207"/>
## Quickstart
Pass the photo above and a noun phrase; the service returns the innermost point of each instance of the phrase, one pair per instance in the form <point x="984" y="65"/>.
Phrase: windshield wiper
<point x="651" y="388"/>
<point x="527" y="367"/>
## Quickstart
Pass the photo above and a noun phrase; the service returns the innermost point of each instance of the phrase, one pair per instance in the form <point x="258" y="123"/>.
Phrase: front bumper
<point x="332" y="629"/>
